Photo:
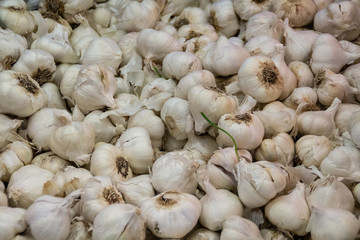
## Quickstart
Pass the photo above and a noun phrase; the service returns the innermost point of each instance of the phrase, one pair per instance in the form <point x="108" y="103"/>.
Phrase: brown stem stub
<point x="166" y="200"/>
<point x="111" y="195"/>
<point x="25" y="82"/>
<point x="270" y="74"/>
<point x="42" y="76"/>
<point x="122" y="166"/>
<point x="181" y="22"/>
<point x="240" y="118"/>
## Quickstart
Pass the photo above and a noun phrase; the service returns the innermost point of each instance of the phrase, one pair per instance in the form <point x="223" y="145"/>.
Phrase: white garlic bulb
<point x="312" y="149"/>
<point x="12" y="222"/>
<point x="108" y="160"/>
<point x="8" y="129"/>
<point x="343" y="114"/>
<point x="127" y="44"/>
<point x="353" y="127"/>
<point x="174" y="171"/>
<point x="245" y="9"/>
<point x="131" y="141"/>
<point x="262" y="45"/>
<point x="223" y="17"/>
<point x="69" y="79"/>
<point x="290" y="211"/>
<point x="303" y="73"/>
<point x="26" y="184"/>
<point x="171" y="214"/>
<point x="98" y="193"/>
<point x="50" y="161"/>
<point x="332" y="223"/>
<point x="205" y="144"/>
<point x="260" y="78"/>
<point x="236" y="227"/>
<point x="68" y="142"/>
<point x="176" y="65"/>
<point x="212" y="101"/>
<point x="301" y="95"/>
<point x="122" y="221"/>
<point x="22" y="95"/>
<point x="53" y="95"/>
<point x="329" y="192"/>
<point x="189" y="16"/>
<point x="174" y="8"/>
<point x="156" y="92"/>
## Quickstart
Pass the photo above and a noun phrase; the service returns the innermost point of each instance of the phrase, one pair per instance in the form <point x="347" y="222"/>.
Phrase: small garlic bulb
<point x="174" y="171"/>
<point x="121" y="221"/>
<point x="236" y="227"/>
<point x="131" y="141"/>
<point x="171" y="214"/>
<point x="280" y="148"/>
<point x="177" y="65"/>
<point x="303" y="73"/>
<point x="343" y="114"/>
<point x="311" y="149"/>
<point x="26" y="185"/>
<point x="189" y="16"/>
<point x="50" y="161"/>
<point x="223" y="17"/>
<point x="156" y="92"/>
<point x="22" y="95"/>
<point x="332" y="223"/>
<point x="97" y="194"/>
<point x="330" y="192"/>
<point x="262" y="45"/>
<point x="260" y="78"/>
<point x="212" y="101"/>
<point x="245" y="9"/>
<point x="43" y="123"/>
<point x="301" y="95"/>
<point x="136" y="189"/>
<point x="290" y="211"/>
<point x="353" y="127"/>
<point x="108" y="160"/>
<point x="12" y="222"/>
<point x="246" y="128"/>
<point x="69" y="142"/>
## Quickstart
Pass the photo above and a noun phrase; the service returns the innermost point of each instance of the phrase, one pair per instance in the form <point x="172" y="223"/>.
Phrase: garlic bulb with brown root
<point x="236" y="227"/>
<point x="245" y="9"/>
<point x="171" y="214"/>
<point x="12" y="46"/>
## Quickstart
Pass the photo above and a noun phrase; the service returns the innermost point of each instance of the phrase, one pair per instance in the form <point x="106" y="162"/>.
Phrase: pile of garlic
<point x="116" y="117"/>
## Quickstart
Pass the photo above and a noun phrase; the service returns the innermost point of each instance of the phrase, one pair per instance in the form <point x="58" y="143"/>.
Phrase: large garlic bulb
<point x="223" y="17"/>
<point x="171" y="214"/>
<point x="236" y="227"/>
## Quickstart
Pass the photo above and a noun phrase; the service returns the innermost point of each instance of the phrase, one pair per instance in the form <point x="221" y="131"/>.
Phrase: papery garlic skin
<point x="121" y="221"/>
<point x="356" y="192"/>
<point x="245" y="9"/>
<point x="273" y="234"/>
<point x="22" y="95"/>
<point x="171" y="214"/>
<point x="156" y="92"/>
<point x="8" y="129"/>
<point x="69" y="142"/>
<point x="236" y="227"/>
<point x="50" y="161"/>
<point x="12" y="222"/>
<point x="332" y="223"/>
<point x="260" y="78"/>
<point x="69" y="79"/>
<point x="176" y="65"/>
<point x="203" y="233"/>
<point x="343" y="114"/>
<point x="301" y="95"/>
<point x="53" y="95"/>
<point x="353" y="127"/>
<point x="262" y="45"/>
<point x="290" y="212"/>
<point x="223" y="17"/>
<point x="303" y="73"/>
<point x="312" y="149"/>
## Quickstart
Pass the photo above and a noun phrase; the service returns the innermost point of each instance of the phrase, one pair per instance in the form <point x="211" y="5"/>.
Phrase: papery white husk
<point x="50" y="161"/>
<point x="12" y="222"/>
<point x="119" y="221"/>
<point x="303" y="73"/>
<point x="261" y="45"/>
<point x="171" y="144"/>
<point x="21" y="95"/>
<point x="301" y="95"/>
<point x="174" y="8"/>
<point x="26" y="184"/>
<point x="127" y="44"/>
<point x="245" y="9"/>
<point x="205" y="144"/>
<point x="74" y="142"/>
<point x="176" y="65"/>
<point x="53" y="95"/>
<point x="236" y="227"/>
<point x="171" y="214"/>
<point x="8" y="129"/>
<point x="156" y="92"/>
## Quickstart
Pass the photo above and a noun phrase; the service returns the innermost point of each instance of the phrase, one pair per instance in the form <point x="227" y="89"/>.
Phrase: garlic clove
<point x="303" y="73"/>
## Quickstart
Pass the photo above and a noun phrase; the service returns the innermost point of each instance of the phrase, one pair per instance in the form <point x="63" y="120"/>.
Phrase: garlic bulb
<point x="276" y="118"/>
<point x="14" y="16"/>
<point x="94" y="89"/>
<point x="50" y="161"/>
<point x="12" y="157"/>
<point x="264" y="23"/>
<point x="261" y="45"/>
<point x="260" y="78"/>
<point x="43" y="123"/>
<point x="332" y="223"/>
<point x="53" y="95"/>
<point x="217" y="205"/>
<point x="108" y="160"/>
<point x="174" y="8"/>
<point x="69" y="79"/>
<point x="8" y="129"/>
<point x="223" y="17"/>
<point x="155" y="45"/>
<point x="329" y="86"/>
<point x="342" y="161"/>
<point x="147" y="119"/>
<point x="156" y="92"/>
<point x="12" y="222"/>
<point x="203" y="77"/>
<point x="78" y="229"/>
<point x="212" y="101"/>
<point x="342" y="116"/>
<point x="26" y="185"/>
<point x="121" y="221"/>
<point x="130" y="142"/>
<point x="38" y="64"/>
<point x="225" y="57"/>
<point x="189" y="16"/>
<point x="203" y="233"/>
<point x="340" y="19"/>
<point x="301" y="95"/>
<point x="205" y="144"/>
<point x="102" y="51"/>
<point x="280" y="148"/>
<point x="176" y="65"/>
<point x="331" y="193"/>
<point x="136" y="189"/>
<point x="317" y="122"/>
<point x="290" y="211"/>
<point x="298" y="44"/>
<point x="311" y="149"/>
<point x="236" y="227"/>
<point x="57" y="44"/>
<point x="68" y="142"/>
<point x="321" y="4"/>
<point x="335" y="58"/>
<point x="174" y="171"/>
<point x="22" y="95"/>
<point x="97" y="194"/>
<point x="171" y="214"/>
<point x="66" y="181"/>
<point x="303" y="73"/>
<point x="258" y="182"/>
<point x="246" y="128"/>
<point x="245" y="9"/>
<point x="299" y="13"/>
<point x="353" y="128"/>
